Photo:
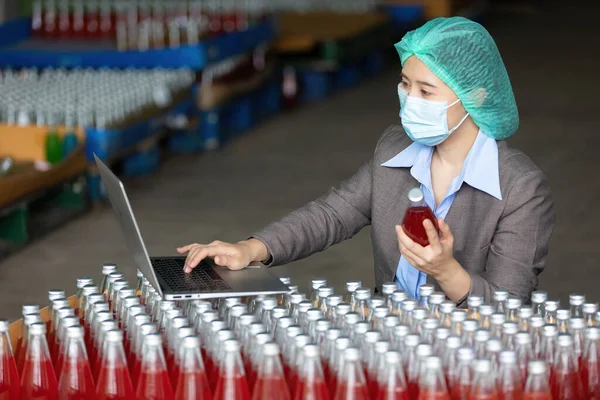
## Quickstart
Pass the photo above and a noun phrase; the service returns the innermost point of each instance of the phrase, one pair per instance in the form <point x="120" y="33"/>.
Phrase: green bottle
<point x="54" y="150"/>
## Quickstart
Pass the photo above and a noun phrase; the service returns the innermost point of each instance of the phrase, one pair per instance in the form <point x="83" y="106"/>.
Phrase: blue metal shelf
<point x="19" y="49"/>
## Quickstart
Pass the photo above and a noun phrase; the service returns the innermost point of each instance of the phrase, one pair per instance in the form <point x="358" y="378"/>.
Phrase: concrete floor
<point x="295" y="157"/>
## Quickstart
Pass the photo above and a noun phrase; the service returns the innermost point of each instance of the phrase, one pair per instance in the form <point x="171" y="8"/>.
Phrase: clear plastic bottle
<point x="331" y="303"/>
<point x="271" y="383"/>
<point x="510" y="383"/>
<point x="312" y="316"/>
<point x="457" y="317"/>
<point x="428" y="327"/>
<point x="341" y="344"/>
<point x="537" y="387"/>
<point x="565" y="381"/>
<point x="392" y="382"/>
<point x="398" y="298"/>
<point x="55" y="304"/>
<point x="469" y="327"/>
<point x="38" y="379"/>
<point x="297" y="360"/>
<point x="351" y="287"/>
<point x="303" y="307"/>
<point x="103" y="328"/>
<point x="388" y="289"/>
<point x="509" y="330"/>
<point x="537" y="325"/>
<point x="500" y="298"/>
<point x="400" y="332"/>
<point x="524" y="352"/>
<point x="76" y="379"/>
<point x="481" y="337"/>
<point x="114" y="381"/>
<point x="548" y="344"/>
<point x="232" y="382"/>
<point x="321" y="328"/>
<point x="450" y="356"/>
<point x="192" y="382"/>
<point x="322" y="293"/>
<point x="577" y="331"/>
<point x="408" y="307"/>
<point x="311" y="382"/>
<point x="253" y="363"/>
<point x="418" y="316"/>
<point x="352" y="382"/>
<point x="425" y="291"/>
<point x="341" y="310"/>
<point x="358" y="332"/>
<point x="219" y="355"/>
<point x="512" y="309"/>
<point x="377" y="316"/>
<point x="493" y="349"/>
<point x="316" y="284"/>
<point x="484" y="382"/>
<point x="486" y="311"/>
<point x="461" y="379"/>
<point x="413" y="372"/>
<point x="9" y="377"/>
<point x="562" y="320"/>
<point x="576" y="302"/>
<point x="589" y="311"/>
<point x="368" y="345"/>
<point x="524" y="314"/>
<point x="473" y="304"/>
<point x="107" y="269"/>
<point x="373" y="365"/>
<point x="550" y="308"/>
<point x="432" y="384"/>
<point x="67" y="322"/>
<point x="497" y="321"/>
<point x="362" y="297"/>
<point x="590" y="363"/>
<point x="81" y="282"/>
<point x="440" y="334"/>
<point x="538" y="299"/>
<point x="435" y="301"/>
<point x="328" y="352"/>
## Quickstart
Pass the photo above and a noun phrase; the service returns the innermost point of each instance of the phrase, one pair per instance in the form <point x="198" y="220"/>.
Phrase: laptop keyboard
<point x="202" y="279"/>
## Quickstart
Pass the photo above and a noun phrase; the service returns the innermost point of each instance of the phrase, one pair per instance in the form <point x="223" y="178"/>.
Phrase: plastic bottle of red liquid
<point x="415" y="369"/>
<point x="432" y="384"/>
<point x="106" y="18"/>
<point x="590" y="363"/>
<point x="566" y="384"/>
<point x="341" y="344"/>
<point x="462" y="377"/>
<point x="352" y="383"/>
<point x="66" y="323"/>
<point x="53" y="295"/>
<point x="548" y="348"/>
<point x="311" y="380"/>
<point x="232" y="378"/>
<point x="537" y="387"/>
<point x="215" y="374"/>
<point x="192" y="382"/>
<point x="50" y="18"/>
<point x="381" y="347"/>
<point x="418" y="212"/>
<point x="145" y="330"/>
<point x="9" y="377"/>
<point x="105" y="327"/>
<point x="392" y="383"/>
<point x="92" y="19"/>
<point x="271" y="382"/>
<point x="510" y="384"/>
<point x="22" y="343"/>
<point x="296" y="361"/>
<point x="37" y="18"/>
<point x="484" y="384"/>
<point x="64" y="19"/>
<point x="38" y="380"/>
<point x="524" y="352"/>
<point x="175" y="371"/>
<point x="114" y="382"/>
<point x="76" y="380"/>
<point x="154" y="382"/>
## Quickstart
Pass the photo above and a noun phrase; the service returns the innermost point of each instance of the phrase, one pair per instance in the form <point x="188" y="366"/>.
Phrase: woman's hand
<point x="436" y="260"/>
<point x="233" y="256"/>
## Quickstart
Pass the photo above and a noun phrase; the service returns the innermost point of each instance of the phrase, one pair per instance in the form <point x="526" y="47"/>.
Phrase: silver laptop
<point x="166" y="274"/>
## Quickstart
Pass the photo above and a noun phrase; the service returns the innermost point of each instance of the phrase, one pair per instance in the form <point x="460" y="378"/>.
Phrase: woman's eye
<point x="425" y="93"/>
<point x="403" y="84"/>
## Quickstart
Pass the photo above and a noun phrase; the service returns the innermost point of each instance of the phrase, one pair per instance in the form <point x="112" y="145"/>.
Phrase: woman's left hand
<point x="436" y="259"/>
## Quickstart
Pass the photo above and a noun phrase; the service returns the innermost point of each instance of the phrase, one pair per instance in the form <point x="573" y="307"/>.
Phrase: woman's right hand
<point x="234" y="256"/>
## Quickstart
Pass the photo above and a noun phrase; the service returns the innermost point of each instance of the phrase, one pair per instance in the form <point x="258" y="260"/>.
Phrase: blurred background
<point x="221" y="116"/>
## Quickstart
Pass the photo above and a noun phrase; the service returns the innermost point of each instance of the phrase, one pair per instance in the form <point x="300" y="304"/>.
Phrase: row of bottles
<point x="124" y="341"/>
<point x="86" y="98"/>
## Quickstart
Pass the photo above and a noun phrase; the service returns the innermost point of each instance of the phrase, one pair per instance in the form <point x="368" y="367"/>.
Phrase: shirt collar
<point x="480" y="169"/>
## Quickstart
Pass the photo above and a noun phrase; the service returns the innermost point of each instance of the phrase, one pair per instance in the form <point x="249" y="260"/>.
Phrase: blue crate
<point x="315" y="85"/>
<point x="17" y="50"/>
<point x="405" y="14"/>
<point x="142" y="163"/>
<point x="373" y="64"/>
<point x="107" y="142"/>
<point x="347" y="76"/>
<point x="95" y="187"/>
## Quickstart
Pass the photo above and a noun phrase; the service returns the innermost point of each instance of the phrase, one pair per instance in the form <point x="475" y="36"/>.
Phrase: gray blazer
<point x="502" y="244"/>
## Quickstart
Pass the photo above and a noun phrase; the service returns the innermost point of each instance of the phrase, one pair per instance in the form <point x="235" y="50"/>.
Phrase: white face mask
<point x="425" y="121"/>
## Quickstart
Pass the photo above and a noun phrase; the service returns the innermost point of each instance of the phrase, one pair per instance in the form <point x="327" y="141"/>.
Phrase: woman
<point x="494" y="207"/>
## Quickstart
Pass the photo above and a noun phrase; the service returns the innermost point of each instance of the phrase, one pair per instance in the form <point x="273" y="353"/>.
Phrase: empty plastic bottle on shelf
<point x="38" y="380"/>
<point x="9" y="377"/>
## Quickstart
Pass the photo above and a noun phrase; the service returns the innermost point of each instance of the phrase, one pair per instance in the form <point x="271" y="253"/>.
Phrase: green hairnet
<point x="463" y="55"/>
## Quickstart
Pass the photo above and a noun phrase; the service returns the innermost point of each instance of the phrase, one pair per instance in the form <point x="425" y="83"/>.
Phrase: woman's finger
<point x="201" y="252"/>
<point x="186" y="248"/>
<point x="412" y="259"/>
<point x="445" y="229"/>
<point x="432" y="234"/>
<point x="403" y="240"/>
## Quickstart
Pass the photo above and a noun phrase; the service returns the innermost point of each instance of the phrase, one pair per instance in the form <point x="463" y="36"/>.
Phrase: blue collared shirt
<point x="480" y="170"/>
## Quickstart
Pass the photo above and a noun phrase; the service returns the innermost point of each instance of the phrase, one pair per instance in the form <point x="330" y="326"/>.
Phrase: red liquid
<point x="373" y="388"/>
<point x="193" y="385"/>
<point x="18" y="349"/>
<point x="590" y="377"/>
<point x="135" y="377"/>
<point x="9" y="378"/>
<point x="333" y="386"/>
<point x="413" y="224"/>
<point x="315" y="391"/>
<point x="460" y="391"/>
<point x="114" y="384"/>
<point x="426" y="395"/>
<point x="271" y="388"/>
<point x="38" y="380"/>
<point x="511" y="395"/>
<point x="355" y="392"/>
<point x="491" y="396"/>
<point x="567" y="387"/>
<point x="392" y="394"/>
<point x="293" y="381"/>
<point x="76" y="382"/>
<point x="537" y="396"/>
<point x="58" y="365"/>
<point x="232" y="388"/>
<point x="175" y="375"/>
<point x="154" y="384"/>
<point x="413" y="390"/>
